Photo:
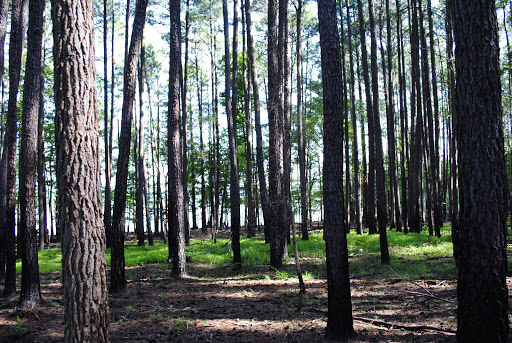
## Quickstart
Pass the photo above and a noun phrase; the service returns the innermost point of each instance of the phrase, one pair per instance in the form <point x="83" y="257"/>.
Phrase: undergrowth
<point x="413" y="256"/>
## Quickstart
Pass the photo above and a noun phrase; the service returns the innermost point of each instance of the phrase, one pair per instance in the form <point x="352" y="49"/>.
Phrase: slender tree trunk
<point x="84" y="264"/>
<point x="117" y="272"/>
<point x="30" y="288"/>
<point x="175" y="172"/>
<point x="184" y="125"/>
<point x="8" y="165"/>
<point x="369" y="195"/>
<point x="339" y="320"/>
<point x="257" y="125"/>
<point x="4" y="11"/>
<point x="480" y="246"/>
<point x="251" y="212"/>
<point x="107" y="216"/>
<point x="41" y="164"/>
<point x="204" y="229"/>
<point x="300" y="135"/>
<point x="377" y="134"/>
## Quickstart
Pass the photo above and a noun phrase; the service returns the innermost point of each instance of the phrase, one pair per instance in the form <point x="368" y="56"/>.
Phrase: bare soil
<point x="242" y="308"/>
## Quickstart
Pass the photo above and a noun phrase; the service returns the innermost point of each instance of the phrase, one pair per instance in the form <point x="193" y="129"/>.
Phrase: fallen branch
<point x="404" y="327"/>
<point x="395" y="325"/>
<point x="430" y="294"/>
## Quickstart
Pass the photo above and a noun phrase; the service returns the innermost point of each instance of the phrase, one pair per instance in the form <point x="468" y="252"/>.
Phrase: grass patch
<point x="413" y="256"/>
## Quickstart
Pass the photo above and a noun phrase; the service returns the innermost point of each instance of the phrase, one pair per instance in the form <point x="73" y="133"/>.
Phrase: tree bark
<point x="117" y="272"/>
<point x="257" y="125"/>
<point x="8" y="165"/>
<point x="480" y="250"/>
<point x="174" y="151"/>
<point x="78" y="174"/>
<point x="339" y="320"/>
<point x="107" y="216"/>
<point x="30" y="288"/>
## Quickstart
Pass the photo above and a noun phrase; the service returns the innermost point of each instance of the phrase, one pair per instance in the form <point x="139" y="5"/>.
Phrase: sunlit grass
<point x="413" y="256"/>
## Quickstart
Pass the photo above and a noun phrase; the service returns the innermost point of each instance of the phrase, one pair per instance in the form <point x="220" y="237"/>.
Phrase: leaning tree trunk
<point x="117" y="272"/>
<point x="78" y="174"/>
<point x="339" y="320"/>
<point x="480" y="247"/>
<point x="30" y="289"/>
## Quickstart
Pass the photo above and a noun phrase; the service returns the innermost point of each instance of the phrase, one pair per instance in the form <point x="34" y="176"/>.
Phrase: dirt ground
<point x="240" y="308"/>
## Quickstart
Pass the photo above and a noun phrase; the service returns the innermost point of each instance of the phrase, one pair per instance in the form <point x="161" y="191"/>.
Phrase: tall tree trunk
<point x="204" y="229"/>
<point x="257" y="125"/>
<point x="215" y="105"/>
<point x="184" y="125"/>
<point x="480" y="246"/>
<point x="277" y="200"/>
<point x="300" y="135"/>
<point x="30" y="289"/>
<point x="175" y="172"/>
<point x="8" y="164"/>
<point x="4" y="11"/>
<point x="251" y="212"/>
<point x="339" y="320"/>
<point x="231" y="113"/>
<point x="41" y="164"/>
<point x="438" y="220"/>
<point x="142" y="160"/>
<point x="369" y="195"/>
<point x="393" y="171"/>
<point x="377" y="134"/>
<point x="78" y="174"/>
<point x="117" y="272"/>
<point x="107" y="216"/>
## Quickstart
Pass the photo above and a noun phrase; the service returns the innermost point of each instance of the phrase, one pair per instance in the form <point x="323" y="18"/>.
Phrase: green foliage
<point x="413" y="256"/>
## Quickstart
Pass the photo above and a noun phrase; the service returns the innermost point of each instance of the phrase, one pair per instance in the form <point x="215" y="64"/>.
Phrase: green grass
<point x="413" y="256"/>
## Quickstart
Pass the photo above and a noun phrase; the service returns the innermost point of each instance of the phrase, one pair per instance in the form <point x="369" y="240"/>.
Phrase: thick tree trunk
<point x="480" y="250"/>
<point x="174" y="151"/>
<point x="30" y="289"/>
<point x="78" y="174"/>
<point x="339" y="321"/>
<point x="117" y="272"/>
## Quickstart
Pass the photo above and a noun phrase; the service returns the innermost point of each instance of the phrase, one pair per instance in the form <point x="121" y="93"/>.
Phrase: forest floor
<point x="248" y="306"/>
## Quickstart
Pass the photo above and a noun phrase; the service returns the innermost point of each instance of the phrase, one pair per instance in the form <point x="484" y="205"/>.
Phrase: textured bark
<point x="231" y="112"/>
<point x="250" y="203"/>
<point x="257" y="125"/>
<point x="377" y="134"/>
<point x="107" y="216"/>
<point x="339" y="321"/>
<point x="184" y="126"/>
<point x="4" y="11"/>
<point x="369" y="194"/>
<point x="8" y="165"/>
<point x="117" y="272"/>
<point x="30" y="289"/>
<point x="300" y="135"/>
<point x="78" y="174"/>
<point x="41" y="166"/>
<point x="393" y="171"/>
<point x="481" y="239"/>
<point x="176" y="205"/>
